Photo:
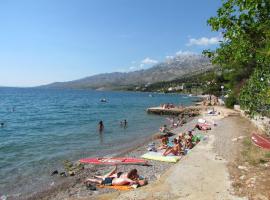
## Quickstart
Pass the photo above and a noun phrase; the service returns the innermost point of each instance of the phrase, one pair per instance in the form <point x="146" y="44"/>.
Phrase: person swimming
<point x="101" y="126"/>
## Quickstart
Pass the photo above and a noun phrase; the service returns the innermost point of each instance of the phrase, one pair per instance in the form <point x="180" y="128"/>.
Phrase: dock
<point x="190" y="110"/>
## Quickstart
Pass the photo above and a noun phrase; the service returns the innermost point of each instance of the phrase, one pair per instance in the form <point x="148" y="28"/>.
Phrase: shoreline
<point x="72" y="187"/>
<point x="175" y="181"/>
<point x="219" y="167"/>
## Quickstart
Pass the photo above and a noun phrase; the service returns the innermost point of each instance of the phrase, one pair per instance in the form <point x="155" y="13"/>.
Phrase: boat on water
<point x="103" y="100"/>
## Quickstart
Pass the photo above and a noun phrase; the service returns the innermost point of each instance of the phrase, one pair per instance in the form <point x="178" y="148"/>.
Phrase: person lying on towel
<point x="202" y="127"/>
<point x="118" y="178"/>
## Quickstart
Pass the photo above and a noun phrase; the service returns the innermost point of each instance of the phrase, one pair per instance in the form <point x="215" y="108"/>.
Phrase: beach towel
<point x="159" y="157"/>
<point x="116" y="187"/>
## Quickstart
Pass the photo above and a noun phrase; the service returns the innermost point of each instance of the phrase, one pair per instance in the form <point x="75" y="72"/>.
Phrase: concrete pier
<point x="191" y="110"/>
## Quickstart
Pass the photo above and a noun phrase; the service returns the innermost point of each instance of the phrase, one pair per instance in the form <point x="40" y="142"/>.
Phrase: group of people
<point x="165" y="131"/>
<point x="181" y="144"/>
<point x="167" y="106"/>
<point x="101" y="125"/>
<point x="177" y="121"/>
<point x="170" y="105"/>
<point x="123" y="123"/>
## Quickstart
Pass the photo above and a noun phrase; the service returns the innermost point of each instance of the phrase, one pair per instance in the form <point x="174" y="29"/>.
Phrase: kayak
<point x="261" y="141"/>
<point x="113" y="161"/>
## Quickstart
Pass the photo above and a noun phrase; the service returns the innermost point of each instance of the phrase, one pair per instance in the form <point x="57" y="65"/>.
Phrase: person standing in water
<point x="125" y="123"/>
<point x="101" y="126"/>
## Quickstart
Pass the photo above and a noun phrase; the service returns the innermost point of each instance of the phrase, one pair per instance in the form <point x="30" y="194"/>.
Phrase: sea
<point x="43" y="127"/>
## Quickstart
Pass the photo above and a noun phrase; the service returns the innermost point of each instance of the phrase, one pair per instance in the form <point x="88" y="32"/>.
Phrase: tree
<point x="255" y="95"/>
<point x="245" y="48"/>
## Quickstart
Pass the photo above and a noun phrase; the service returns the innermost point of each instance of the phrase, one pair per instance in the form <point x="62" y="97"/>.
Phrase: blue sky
<point x="42" y="41"/>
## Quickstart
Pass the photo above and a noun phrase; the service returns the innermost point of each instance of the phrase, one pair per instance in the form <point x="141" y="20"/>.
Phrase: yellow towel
<point x="116" y="187"/>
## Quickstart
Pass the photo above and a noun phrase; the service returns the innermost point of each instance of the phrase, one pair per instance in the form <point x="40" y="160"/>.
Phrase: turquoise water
<point x="43" y="127"/>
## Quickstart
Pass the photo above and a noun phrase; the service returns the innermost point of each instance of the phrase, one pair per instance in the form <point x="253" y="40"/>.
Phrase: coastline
<point x="217" y="168"/>
<point x="73" y="187"/>
<point x="216" y="153"/>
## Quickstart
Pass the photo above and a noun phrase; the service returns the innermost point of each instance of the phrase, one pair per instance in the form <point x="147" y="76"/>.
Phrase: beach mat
<point x="159" y="157"/>
<point x="116" y="187"/>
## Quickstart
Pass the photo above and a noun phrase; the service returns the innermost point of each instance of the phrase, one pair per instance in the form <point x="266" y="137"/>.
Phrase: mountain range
<point x="173" y="68"/>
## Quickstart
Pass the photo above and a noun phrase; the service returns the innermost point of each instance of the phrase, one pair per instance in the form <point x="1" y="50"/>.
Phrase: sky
<point x="45" y="41"/>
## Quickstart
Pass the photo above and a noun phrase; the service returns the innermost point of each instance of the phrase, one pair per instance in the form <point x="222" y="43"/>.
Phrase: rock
<point x="3" y="197"/>
<point x="90" y="187"/>
<point x="71" y="173"/>
<point x="79" y="166"/>
<point x="54" y="172"/>
<point x="234" y="139"/>
<point x="242" y="177"/>
<point x="260" y="197"/>
<point x="241" y="137"/>
<point x="63" y="174"/>
<point x="243" y="168"/>
<point x="266" y="164"/>
<point x="251" y="181"/>
<point x="67" y="164"/>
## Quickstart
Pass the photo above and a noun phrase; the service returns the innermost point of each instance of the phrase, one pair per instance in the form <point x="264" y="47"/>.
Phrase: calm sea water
<point x="44" y="127"/>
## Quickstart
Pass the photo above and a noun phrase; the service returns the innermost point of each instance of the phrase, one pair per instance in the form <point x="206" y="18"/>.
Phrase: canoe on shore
<point x="261" y="141"/>
<point x="113" y="161"/>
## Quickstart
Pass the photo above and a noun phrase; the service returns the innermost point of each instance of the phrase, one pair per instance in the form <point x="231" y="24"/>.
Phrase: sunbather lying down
<point x="120" y="178"/>
<point x="202" y="127"/>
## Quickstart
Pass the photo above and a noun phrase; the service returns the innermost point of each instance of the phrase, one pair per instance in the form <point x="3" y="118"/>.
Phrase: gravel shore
<point x="74" y="188"/>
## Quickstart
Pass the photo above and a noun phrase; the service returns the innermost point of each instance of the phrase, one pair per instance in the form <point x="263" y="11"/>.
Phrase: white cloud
<point x="143" y="64"/>
<point x="204" y="41"/>
<point x="149" y="61"/>
<point x="169" y="57"/>
<point x="132" y="68"/>
<point x="178" y="53"/>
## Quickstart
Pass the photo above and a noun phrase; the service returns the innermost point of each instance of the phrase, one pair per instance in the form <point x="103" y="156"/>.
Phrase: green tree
<point x="255" y="95"/>
<point x="245" y="48"/>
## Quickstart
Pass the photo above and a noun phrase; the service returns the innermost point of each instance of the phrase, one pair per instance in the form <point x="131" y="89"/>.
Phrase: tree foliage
<point x="245" y="48"/>
<point x="255" y="95"/>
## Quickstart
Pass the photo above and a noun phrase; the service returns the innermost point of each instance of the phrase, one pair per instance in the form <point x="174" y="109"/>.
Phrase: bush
<point x="231" y="100"/>
<point x="255" y="95"/>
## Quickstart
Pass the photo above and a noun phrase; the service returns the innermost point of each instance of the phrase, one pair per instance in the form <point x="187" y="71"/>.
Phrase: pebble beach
<point x="74" y="188"/>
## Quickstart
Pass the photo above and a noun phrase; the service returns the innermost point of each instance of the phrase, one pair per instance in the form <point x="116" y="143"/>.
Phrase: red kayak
<point x="261" y="141"/>
<point x="113" y="161"/>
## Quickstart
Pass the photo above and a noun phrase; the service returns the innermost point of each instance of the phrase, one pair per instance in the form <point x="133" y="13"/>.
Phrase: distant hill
<point x="171" y="69"/>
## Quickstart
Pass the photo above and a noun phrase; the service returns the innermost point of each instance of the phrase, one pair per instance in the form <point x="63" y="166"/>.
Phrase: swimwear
<point x="107" y="181"/>
<point x="119" y="174"/>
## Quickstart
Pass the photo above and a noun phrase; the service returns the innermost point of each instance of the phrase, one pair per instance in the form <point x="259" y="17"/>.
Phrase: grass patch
<point x="267" y="155"/>
<point x="252" y="154"/>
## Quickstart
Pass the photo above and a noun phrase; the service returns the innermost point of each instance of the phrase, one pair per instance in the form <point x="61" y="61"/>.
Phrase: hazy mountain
<point x="170" y="69"/>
